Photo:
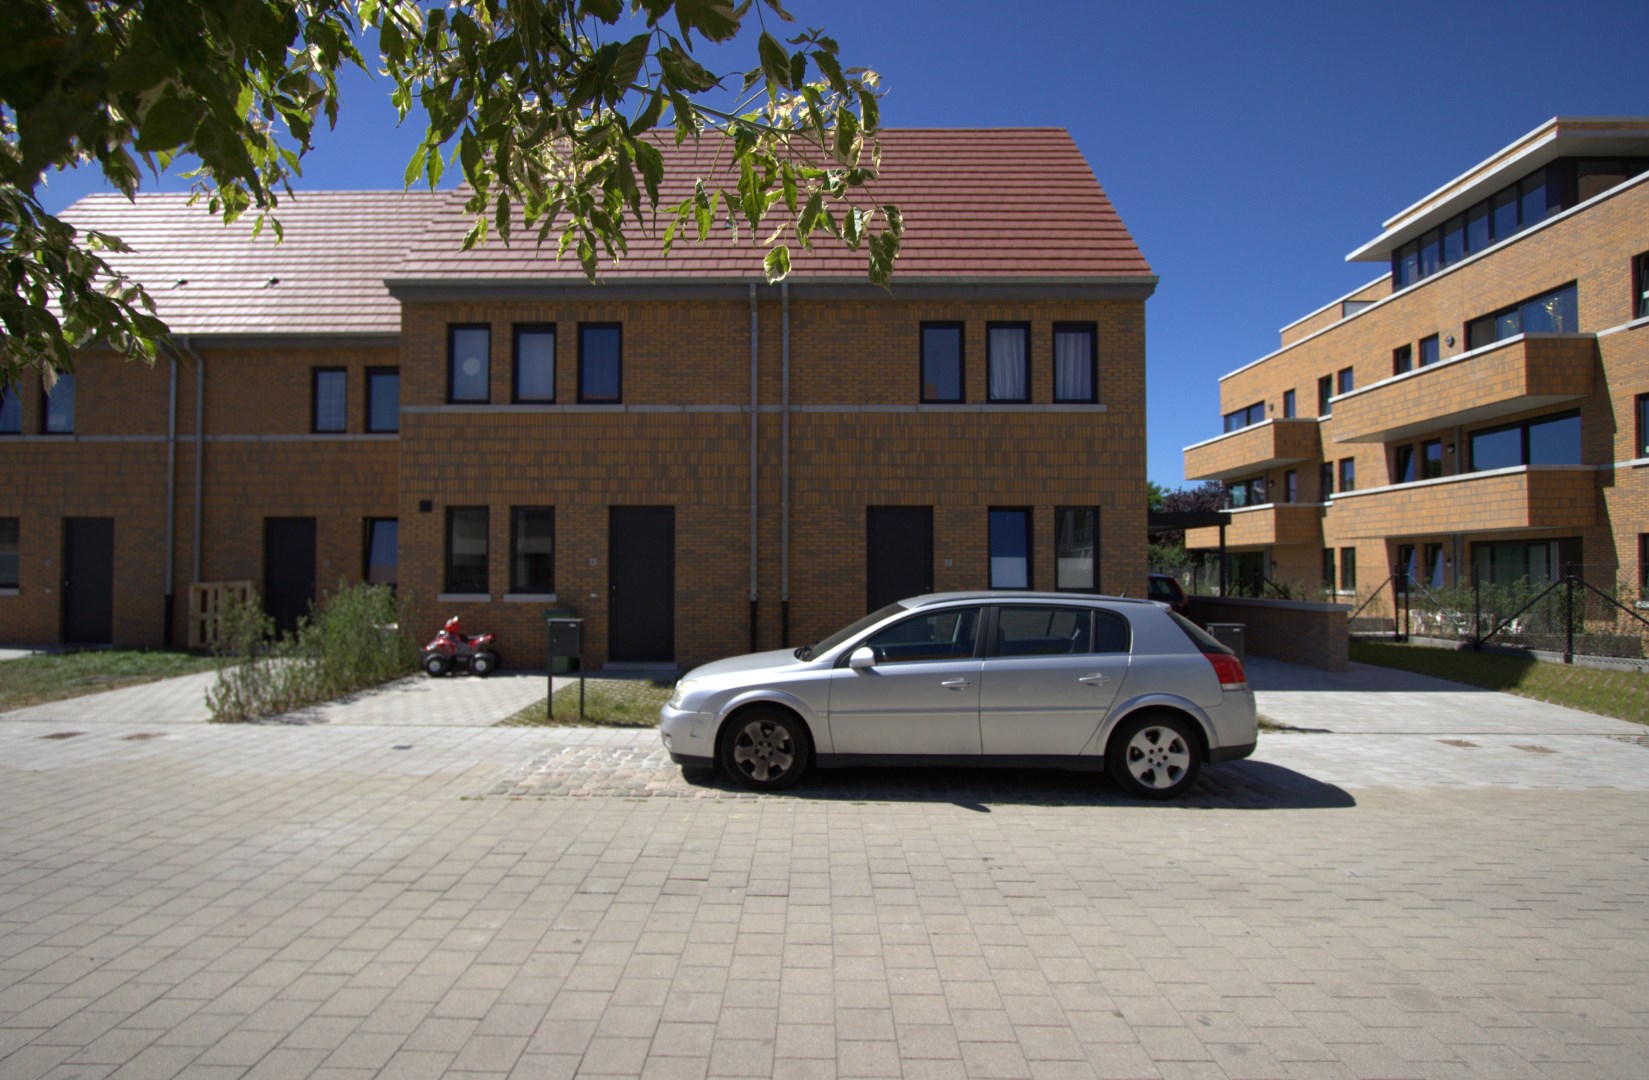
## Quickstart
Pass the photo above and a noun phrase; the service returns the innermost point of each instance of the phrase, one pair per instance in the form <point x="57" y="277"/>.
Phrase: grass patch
<point x="630" y="703"/>
<point x="1621" y="694"/>
<point x="35" y="680"/>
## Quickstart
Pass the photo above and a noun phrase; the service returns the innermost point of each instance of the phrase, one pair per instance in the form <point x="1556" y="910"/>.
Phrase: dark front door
<point x="88" y="581"/>
<point x="898" y="553"/>
<point x="641" y="584"/>
<point x="288" y="569"/>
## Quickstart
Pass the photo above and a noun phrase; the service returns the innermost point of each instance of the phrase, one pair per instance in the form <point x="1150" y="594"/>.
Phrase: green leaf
<point x="715" y="19"/>
<point x="651" y="164"/>
<point x="775" y="61"/>
<point x="832" y="70"/>
<point x="870" y="112"/>
<point x="627" y="61"/>
<point x="415" y="166"/>
<point x="777" y="264"/>
<point x="810" y="216"/>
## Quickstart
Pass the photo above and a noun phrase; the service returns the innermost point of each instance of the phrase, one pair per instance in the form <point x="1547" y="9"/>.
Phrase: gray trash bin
<point x="1230" y="635"/>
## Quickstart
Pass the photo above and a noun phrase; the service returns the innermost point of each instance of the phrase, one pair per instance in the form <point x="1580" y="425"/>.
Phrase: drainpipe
<point x="169" y="604"/>
<point x="784" y="472"/>
<point x="754" y="494"/>
<point x="200" y="449"/>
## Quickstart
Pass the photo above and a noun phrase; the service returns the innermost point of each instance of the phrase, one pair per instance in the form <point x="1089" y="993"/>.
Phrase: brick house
<point x="695" y="462"/>
<point x="1484" y="403"/>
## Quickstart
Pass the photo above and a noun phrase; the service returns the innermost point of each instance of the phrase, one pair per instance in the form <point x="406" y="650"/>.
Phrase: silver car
<point x="985" y="678"/>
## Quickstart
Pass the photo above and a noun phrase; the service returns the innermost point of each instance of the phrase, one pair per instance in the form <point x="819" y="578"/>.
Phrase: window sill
<point x="11" y="592"/>
<point x="530" y="598"/>
<point x="463" y="598"/>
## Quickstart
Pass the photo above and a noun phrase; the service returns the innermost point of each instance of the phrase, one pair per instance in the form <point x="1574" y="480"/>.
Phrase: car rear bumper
<point x="1230" y="753"/>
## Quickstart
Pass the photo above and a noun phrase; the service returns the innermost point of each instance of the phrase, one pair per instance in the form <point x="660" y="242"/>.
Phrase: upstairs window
<point x="1518" y="206"/>
<point x="57" y="407"/>
<point x="1010" y="548"/>
<point x="382" y="552"/>
<point x="600" y="363"/>
<point x="1325" y="481"/>
<point x="9" y="577"/>
<point x="1348" y="474"/>
<point x="1243" y="493"/>
<point x="331" y="394"/>
<point x="532" y="549"/>
<point x="534" y="363"/>
<point x="1429" y="352"/>
<point x="1288" y="405"/>
<point x="1291" y="486"/>
<point x="1253" y="414"/>
<point x="1402" y="359"/>
<point x="1431" y="459"/>
<point x="1325" y="390"/>
<point x="1549" y="440"/>
<point x="1007" y="362"/>
<point x="1076" y="362"/>
<point x="942" y="362"/>
<point x="469" y="355"/>
<point x="1640" y="286"/>
<point x="1348" y="569"/>
<point x="1641" y="447"/>
<point x="1344" y="380"/>
<point x="1402" y="465"/>
<point x="383" y="399"/>
<point x="11" y="411"/>
<point x="1555" y="312"/>
<point x="466" y="549"/>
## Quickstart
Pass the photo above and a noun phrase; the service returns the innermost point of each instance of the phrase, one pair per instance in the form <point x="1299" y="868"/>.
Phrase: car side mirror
<point x="862" y="657"/>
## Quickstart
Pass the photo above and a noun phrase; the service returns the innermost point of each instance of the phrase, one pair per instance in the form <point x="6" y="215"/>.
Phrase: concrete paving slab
<point x="180" y="700"/>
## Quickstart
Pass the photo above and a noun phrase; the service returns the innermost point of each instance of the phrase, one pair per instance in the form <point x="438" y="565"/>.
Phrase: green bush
<point x="351" y="641"/>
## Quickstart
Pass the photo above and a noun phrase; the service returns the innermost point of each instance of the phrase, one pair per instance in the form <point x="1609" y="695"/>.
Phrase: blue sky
<point x="1248" y="146"/>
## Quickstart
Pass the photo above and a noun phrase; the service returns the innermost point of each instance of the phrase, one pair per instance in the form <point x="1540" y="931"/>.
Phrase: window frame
<point x="990" y="361"/>
<point x="367" y="526"/>
<point x="1345" y="381"/>
<point x="516" y="331"/>
<point x="1522" y="427"/>
<point x="16" y="553"/>
<point x="366" y="417"/>
<point x="1289" y="405"/>
<point x="1325" y="481"/>
<point x="1402" y="359"/>
<point x="450" y="585"/>
<point x="1403" y="454"/>
<point x="1347" y="476"/>
<point x="315" y="376"/>
<point x="1325" y="396"/>
<point x="1247" y="415"/>
<point x="1435" y="349"/>
<point x="517" y="586"/>
<point x="1639" y="305"/>
<point x="1030" y="547"/>
<point x="453" y="330"/>
<point x="1640" y="409"/>
<point x="1059" y="512"/>
<point x="1348" y="570"/>
<point x="1291" y="486"/>
<point x="1068" y="327"/>
<point x="618" y="397"/>
<point x="1493" y="318"/>
<point x="46" y="427"/>
<point x="1425" y="459"/>
<point x="10" y="395"/>
<point x="961" y="361"/>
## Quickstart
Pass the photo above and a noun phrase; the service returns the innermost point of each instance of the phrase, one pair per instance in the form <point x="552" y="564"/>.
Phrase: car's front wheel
<point x="1155" y="756"/>
<point x="766" y="749"/>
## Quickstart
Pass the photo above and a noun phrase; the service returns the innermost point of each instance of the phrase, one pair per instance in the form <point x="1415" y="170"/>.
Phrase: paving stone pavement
<point x="381" y="899"/>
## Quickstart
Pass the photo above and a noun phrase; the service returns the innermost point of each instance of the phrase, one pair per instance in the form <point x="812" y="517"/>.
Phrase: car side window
<point x="943" y="635"/>
<point x="1111" y="633"/>
<point x="1043" y="631"/>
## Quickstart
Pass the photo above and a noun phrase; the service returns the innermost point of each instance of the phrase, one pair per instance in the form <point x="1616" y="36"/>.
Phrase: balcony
<point x="1525" y="372"/>
<point x="1499" y="500"/>
<point x="1261" y="526"/>
<point x="1266" y="445"/>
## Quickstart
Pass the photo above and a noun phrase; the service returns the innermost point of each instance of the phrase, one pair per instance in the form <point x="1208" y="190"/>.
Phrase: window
<point x="600" y="362"/>
<point x="942" y="362"/>
<point x="1325" y="390"/>
<point x="1291" y="486"/>
<point x="1236" y="421"/>
<point x="1007" y="346"/>
<point x="1555" y="312"/>
<point x="383" y="399"/>
<point x="9" y="578"/>
<point x="1429" y="352"/>
<point x="1402" y="359"/>
<point x="1348" y="474"/>
<point x="382" y="552"/>
<point x="1502" y="562"/>
<point x="1641" y="449"/>
<point x="1076" y="362"/>
<point x="1643" y="566"/>
<point x="331" y="398"/>
<point x="1434" y="566"/>
<point x="57" y="407"/>
<point x="1549" y="440"/>
<point x="534" y="363"/>
<point x="1057" y="631"/>
<point x="1076" y="548"/>
<point x="943" y="635"/>
<point x="1010" y="549"/>
<point x="1242" y="493"/>
<point x="466" y="549"/>
<point x="1288" y="404"/>
<point x="1348" y="569"/>
<point x="469" y="354"/>
<point x="1408" y="567"/>
<point x="1402" y="465"/>
<point x="1640" y="286"/>
<point x="1325" y="480"/>
<point x="532" y="549"/>
<point x="1431" y="459"/>
<point x="11" y="411"/>
<point x="1328" y="569"/>
<point x="1345" y="383"/>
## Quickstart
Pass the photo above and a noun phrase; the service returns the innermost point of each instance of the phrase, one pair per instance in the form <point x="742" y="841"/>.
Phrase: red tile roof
<point x="1017" y="204"/>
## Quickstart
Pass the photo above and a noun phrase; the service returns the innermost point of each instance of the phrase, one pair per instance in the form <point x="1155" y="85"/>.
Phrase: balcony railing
<point x="1511" y="376"/>
<point x="1268" y="524"/>
<point x="1497" y="500"/>
<point x="1266" y="445"/>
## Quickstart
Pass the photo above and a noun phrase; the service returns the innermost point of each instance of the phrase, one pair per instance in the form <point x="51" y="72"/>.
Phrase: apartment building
<point x="1482" y="405"/>
<point x="695" y="462"/>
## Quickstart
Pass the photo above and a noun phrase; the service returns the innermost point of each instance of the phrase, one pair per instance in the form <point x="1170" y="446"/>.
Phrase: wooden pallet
<point x="207" y="600"/>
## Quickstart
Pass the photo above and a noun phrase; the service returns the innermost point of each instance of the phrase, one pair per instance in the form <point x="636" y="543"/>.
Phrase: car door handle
<point x="1094" y="680"/>
<point x="956" y="684"/>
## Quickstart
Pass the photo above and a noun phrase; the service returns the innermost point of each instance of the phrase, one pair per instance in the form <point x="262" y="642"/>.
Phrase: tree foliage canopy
<point x="544" y="105"/>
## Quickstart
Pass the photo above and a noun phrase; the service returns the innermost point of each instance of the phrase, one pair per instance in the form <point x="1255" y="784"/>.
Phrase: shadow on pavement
<point x="1239" y="785"/>
<point x="1276" y="676"/>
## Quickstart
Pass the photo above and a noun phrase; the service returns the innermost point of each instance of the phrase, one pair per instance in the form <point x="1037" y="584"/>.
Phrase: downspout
<point x="200" y="451"/>
<point x="784" y="471"/>
<point x="170" y="604"/>
<point x="754" y="495"/>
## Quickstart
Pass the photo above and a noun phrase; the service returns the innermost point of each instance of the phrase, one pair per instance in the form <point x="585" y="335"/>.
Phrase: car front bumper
<point x="687" y="737"/>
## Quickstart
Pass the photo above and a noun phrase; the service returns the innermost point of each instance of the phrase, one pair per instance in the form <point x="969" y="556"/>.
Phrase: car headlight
<point x="683" y="687"/>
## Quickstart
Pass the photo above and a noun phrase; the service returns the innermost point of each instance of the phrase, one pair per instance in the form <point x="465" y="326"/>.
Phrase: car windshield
<point x="808" y="652"/>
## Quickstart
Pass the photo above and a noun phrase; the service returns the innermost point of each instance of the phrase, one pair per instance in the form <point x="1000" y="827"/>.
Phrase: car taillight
<point x="1229" y="669"/>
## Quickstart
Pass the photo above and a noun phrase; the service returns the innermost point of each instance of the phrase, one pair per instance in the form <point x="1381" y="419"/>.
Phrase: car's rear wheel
<point x="1154" y="756"/>
<point x="766" y="749"/>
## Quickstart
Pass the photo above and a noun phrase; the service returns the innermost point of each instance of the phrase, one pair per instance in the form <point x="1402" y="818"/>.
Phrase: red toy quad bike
<point x="452" y="649"/>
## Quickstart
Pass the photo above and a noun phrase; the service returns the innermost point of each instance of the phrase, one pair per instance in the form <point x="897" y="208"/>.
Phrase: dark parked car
<point x="1166" y="589"/>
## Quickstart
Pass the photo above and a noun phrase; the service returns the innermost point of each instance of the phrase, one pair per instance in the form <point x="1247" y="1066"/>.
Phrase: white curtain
<point x="1073" y="366"/>
<point x="1007" y="363"/>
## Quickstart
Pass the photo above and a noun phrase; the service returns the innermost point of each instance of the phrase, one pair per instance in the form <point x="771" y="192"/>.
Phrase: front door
<point x="922" y="695"/>
<point x="88" y="581"/>
<point x="288" y="570"/>
<point x="641" y="584"/>
<point x="898" y="553"/>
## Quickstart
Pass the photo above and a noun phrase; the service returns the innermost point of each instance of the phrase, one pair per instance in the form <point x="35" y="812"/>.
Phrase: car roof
<point x="1016" y="595"/>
